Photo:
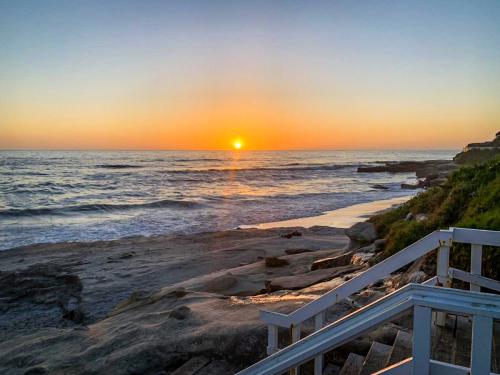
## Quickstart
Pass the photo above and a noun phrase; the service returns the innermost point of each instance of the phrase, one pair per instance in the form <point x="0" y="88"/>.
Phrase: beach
<point x="108" y="289"/>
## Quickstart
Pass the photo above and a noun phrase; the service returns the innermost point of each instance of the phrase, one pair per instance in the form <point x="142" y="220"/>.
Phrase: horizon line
<point x="225" y="149"/>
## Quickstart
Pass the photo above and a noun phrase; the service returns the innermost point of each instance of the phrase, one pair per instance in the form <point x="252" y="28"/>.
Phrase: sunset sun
<point x="237" y="144"/>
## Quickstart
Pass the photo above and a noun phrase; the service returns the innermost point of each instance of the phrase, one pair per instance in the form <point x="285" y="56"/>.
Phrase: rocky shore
<point x="429" y="172"/>
<point x="170" y="304"/>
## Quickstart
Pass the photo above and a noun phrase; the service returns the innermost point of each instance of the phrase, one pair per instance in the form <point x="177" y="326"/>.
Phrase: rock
<point x="295" y="233"/>
<point x="338" y="261"/>
<point x="221" y="283"/>
<point x="297" y="251"/>
<point x="379" y="187"/>
<point x="275" y="262"/>
<point x="416" y="277"/>
<point x="379" y="244"/>
<point x="421" y="217"/>
<point x="362" y="232"/>
<point x="367" y="296"/>
<point x="307" y="279"/>
<point x="409" y="186"/>
<point x="367" y="249"/>
<point x="438" y="181"/>
<point x="180" y="313"/>
<point x="409" y="216"/>
<point x="72" y="310"/>
<point x="361" y="258"/>
<point x="42" y="295"/>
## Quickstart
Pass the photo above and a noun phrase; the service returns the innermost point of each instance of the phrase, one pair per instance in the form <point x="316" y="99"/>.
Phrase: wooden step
<point x="331" y="369"/>
<point x="377" y="357"/>
<point x="401" y="349"/>
<point x="452" y="342"/>
<point x="352" y="365"/>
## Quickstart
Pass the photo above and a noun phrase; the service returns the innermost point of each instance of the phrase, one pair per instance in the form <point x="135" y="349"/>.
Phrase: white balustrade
<point x="441" y="240"/>
<point x="422" y="299"/>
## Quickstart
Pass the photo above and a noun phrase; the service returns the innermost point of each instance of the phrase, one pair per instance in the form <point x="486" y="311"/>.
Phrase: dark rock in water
<point x="42" y="295"/>
<point x="275" y="262"/>
<point x="295" y="233"/>
<point x="379" y="187"/>
<point x="409" y="186"/>
<point x="362" y="232"/>
<point x="338" y="261"/>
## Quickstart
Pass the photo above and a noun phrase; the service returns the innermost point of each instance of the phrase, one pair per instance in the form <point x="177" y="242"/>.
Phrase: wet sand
<point x="340" y="218"/>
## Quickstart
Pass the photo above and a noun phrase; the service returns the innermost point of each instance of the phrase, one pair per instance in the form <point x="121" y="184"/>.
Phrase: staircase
<point x="436" y="345"/>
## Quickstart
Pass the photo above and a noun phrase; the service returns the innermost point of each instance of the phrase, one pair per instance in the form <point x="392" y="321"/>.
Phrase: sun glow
<point x="237" y="144"/>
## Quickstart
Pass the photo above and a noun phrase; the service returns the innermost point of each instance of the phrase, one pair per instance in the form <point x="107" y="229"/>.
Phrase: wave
<point x="97" y="207"/>
<point x="319" y="167"/>
<point x="118" y="166"/>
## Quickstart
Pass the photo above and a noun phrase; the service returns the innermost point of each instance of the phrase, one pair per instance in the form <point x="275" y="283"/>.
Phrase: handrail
<point x="391" y="264"/>
<point x="373" y="274"/>
<point x="474" y="279"/>
<point x="485" y="305"/>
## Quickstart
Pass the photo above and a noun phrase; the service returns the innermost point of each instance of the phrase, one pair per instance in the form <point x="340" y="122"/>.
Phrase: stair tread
<point x="446" y="347"/>
<point x="401" y="349"/>
<point x="376" y="358"/>
<point x="352" y="365"/>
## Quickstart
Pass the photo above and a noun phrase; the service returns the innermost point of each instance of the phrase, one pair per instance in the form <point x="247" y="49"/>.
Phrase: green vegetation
<point x="470" y="198"/>
<point x="475" y="156"/>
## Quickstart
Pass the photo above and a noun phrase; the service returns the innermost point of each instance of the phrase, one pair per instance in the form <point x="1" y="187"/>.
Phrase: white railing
<point x="440" y="239"/>
<point x="423" y="299"/>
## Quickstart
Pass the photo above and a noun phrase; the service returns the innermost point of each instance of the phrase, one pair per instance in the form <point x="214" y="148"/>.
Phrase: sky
<point x="274" y="74"/>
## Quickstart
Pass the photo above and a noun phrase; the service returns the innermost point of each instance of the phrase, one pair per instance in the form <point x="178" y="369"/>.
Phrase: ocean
<point x="54" y="196"/>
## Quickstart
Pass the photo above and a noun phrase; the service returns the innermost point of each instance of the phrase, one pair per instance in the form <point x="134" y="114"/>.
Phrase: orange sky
<point x="278" y="75"/>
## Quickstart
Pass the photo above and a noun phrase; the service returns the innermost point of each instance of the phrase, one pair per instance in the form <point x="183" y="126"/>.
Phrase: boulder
<point x="367" y="249"/>
<point x="362" y="232"/>
<point x="379" y="244"/>
<point x="416" y="277"/>
<point x="42" y="295"/>
<point x="361" y="259"/>
<point x="275" y="262"/>
<point x="307" y="279"/>
<point x="379" y="187"/>
<point x="421" y="217"/>
<point x="338" y="261"/>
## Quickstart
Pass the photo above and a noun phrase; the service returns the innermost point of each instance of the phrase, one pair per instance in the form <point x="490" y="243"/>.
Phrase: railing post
<point x="319" y="322"/>
<point x="482" y="335"/>
<point x="443" y="265"/>
<point x="272" y="339"/>
<point x="295" y="333"/>
<point x="422" y="320"/>
<point x="476" y="259"/>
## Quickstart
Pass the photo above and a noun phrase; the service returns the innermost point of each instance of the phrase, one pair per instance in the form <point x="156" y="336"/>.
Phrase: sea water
<point x="54" y="196"/>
